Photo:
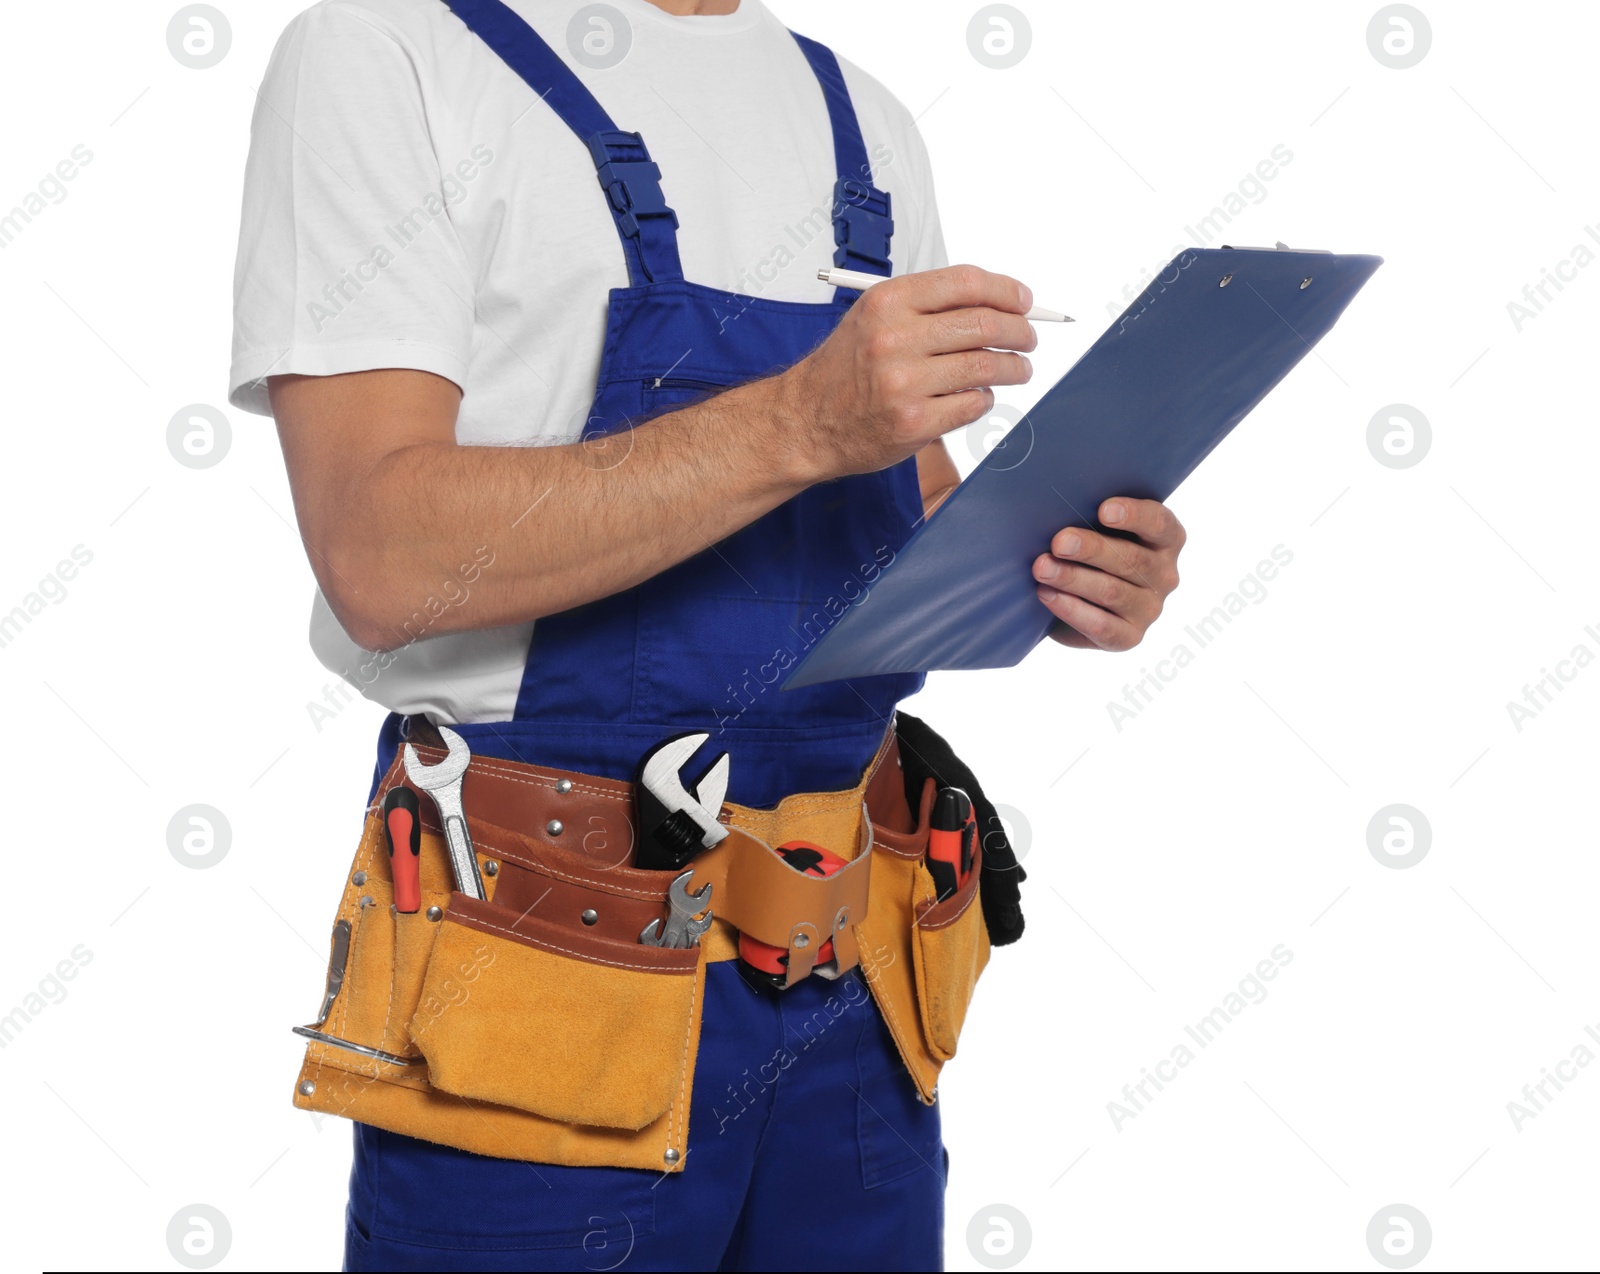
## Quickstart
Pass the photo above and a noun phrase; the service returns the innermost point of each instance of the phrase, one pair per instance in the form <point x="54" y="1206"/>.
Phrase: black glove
<point x="925" y="755"/>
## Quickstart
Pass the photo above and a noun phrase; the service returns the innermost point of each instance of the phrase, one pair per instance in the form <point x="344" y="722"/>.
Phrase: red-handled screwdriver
<point x="404" y="830"/>
<point x="951" y="830"/>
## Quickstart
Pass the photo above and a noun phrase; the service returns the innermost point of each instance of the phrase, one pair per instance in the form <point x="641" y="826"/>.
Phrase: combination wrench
<point x="443" y="783"/>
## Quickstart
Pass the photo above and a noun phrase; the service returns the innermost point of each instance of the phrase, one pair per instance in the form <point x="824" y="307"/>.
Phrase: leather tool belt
<point x="535" y="1025"/>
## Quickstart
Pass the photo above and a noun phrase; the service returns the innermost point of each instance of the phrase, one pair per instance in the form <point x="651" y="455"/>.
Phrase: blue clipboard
<point x="1168" y="380"/>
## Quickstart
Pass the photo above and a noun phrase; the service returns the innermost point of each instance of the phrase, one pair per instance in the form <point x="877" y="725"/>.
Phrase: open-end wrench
<point x="683" y="928"/>
<point x="676" y="821"/>
<point x="443" y="783"/>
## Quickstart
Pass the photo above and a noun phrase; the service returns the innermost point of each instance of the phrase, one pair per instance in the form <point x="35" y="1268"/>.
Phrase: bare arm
<point x="390" y="507"/>
<point x="937" y="475"/>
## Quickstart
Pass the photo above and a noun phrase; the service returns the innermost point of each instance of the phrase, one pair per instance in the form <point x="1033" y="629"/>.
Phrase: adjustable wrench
<point x="443" y="783"/>
<point x="676" y="821"/>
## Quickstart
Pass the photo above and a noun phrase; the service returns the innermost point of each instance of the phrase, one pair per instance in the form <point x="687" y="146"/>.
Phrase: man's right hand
<point x="913" y="359"/>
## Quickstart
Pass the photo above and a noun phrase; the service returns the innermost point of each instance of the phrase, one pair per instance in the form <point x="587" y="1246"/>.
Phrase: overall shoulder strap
<point x="862" y="225"/>
<point x="632" y="183"/>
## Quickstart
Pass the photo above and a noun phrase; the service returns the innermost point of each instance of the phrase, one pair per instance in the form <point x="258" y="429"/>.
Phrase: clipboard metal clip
<point x="1280" y="246"/>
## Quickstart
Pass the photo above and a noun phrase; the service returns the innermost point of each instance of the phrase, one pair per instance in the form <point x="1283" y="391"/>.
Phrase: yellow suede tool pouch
<point x="950" y="946"/>
<point x="531" y="1025"/>
<point x="922" y="956"/>
<point x="542" y="1017"/>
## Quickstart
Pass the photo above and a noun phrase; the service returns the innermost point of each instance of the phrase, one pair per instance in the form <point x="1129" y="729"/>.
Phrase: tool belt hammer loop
<point x="766" y="898"/>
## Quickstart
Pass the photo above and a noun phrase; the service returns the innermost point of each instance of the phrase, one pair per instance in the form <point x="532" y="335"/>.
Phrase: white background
<point x="1166" y="858"/>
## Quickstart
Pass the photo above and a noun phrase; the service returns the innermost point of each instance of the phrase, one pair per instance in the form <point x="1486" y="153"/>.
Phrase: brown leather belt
<point x="559" y="845"/>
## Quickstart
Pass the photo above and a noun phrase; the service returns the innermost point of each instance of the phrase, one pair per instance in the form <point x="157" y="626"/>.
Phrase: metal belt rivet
<point x="491" y="868"/>
<point x="307" y="1087"/>
<point x="802" y="940"/>
<point x="563" y="786"/>
<point x="360" y="878"/>
<point x="842" y="919"/>
<point x="366" y="900"/>
<point x="1225" y="280"/>
<point x="590" y="916"/>
<point x="553" y="827"/>
<point x="1304" y="284"/>
<point x="434" y="913"/>
<point x="671" y="1156"/>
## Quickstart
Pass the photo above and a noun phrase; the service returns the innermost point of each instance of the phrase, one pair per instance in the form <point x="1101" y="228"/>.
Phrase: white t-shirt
<point x="409" y="202"/>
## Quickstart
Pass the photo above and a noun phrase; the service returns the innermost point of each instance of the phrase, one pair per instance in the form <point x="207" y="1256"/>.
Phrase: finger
<point x="1067" y="635"/>
<point x="976" y="369"/>
<point x="1105" y="630"/>
<point x="958" y="286"/>
<point x="1150" y="520"/>
<point x="978" y="328"/>
<point x="952" y="411"/>
<point x="1124" y="558"/>
<point x="1138" y="605"/>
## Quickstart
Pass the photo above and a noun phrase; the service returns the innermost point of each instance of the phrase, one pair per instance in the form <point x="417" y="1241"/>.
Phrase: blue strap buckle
<point x="632" y="182"/>
<point x="862" y="226"/>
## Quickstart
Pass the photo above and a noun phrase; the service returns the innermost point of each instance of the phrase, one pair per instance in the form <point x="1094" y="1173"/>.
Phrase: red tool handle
<point x="404" y="828"/>
<point x="951" y="832"/>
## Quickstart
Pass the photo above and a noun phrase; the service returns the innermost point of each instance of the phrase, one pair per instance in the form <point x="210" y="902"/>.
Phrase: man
<point x="569" y="458"/>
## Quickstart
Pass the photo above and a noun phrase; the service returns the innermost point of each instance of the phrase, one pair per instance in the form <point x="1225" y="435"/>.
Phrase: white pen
<point x="861" y="282"/>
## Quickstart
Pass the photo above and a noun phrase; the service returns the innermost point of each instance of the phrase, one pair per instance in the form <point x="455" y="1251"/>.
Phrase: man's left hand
<point x="1107" y="591"/>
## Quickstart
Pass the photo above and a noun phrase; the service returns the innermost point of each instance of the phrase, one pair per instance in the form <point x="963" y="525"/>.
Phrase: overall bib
<point x="706" y="644"/>
<point x="850" y="1169"/>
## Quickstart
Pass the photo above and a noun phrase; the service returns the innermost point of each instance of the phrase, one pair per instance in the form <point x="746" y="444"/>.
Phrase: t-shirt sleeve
<point x="927" y="240"/>
<point x="900" y="165"/>
<point x="348" y="259"/>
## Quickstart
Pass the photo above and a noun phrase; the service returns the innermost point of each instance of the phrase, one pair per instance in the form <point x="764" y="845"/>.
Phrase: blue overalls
<point x="808" y="1148"/>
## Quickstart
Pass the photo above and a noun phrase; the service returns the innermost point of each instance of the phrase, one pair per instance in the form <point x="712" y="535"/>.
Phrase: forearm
<point x="937" y="476"/>
<point x="505" y="535"/>
<point x="401" y="522"/>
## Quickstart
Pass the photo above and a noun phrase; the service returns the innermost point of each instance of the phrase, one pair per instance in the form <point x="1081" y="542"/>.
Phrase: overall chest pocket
<point x="663" y="393"/>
